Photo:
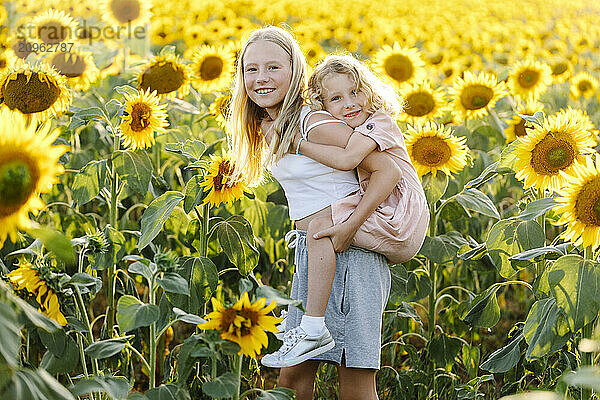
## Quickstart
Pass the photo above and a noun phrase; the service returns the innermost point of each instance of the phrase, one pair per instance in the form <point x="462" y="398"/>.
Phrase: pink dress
<point x="398" y="226"/>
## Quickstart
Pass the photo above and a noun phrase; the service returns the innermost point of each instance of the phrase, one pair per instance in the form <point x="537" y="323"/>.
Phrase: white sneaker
<point x="281" y="326"/>
<point x="298" y="347"/>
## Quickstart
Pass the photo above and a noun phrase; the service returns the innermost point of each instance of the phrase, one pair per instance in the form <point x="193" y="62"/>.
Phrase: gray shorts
<point x="360" y="292"/>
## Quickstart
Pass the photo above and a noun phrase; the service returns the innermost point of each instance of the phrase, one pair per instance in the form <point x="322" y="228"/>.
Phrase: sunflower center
<point x="220" y="180"/>
<point x="528" y="78"/>
<point x="419" y="104"/>
<point x="164" y="78"/>
<point x="587" y="204"/>
<point x="18" y="179"/>
<point x="552" y="154"/>
<point x="68" y="65"/>
<point x="476" y="96"/>
<point x="36" y="94"/>
<point x="211" y="68"/>
<point x="399" y="67"/>
<point x="431" y="151"/>
<point x="559" y="68"/>
<point x="140" y="116"/>
<point x="448" y="72"/>
<point x="227" y="318"/>
<point x="53" y="32"/>
<point x="2" y="63"/>
<point x="584" y="86"/>
<point x="125" y="11"/>
<point x="20" y="47"/>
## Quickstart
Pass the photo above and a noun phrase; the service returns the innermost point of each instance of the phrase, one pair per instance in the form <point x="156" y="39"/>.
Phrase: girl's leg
<point x="321" y="267"/>
<point x="300" y="378"/>
<point x="357" y="383"/>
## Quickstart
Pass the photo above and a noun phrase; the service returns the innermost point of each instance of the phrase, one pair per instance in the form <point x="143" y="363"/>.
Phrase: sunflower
<point x="579" y="204"/>
<point x="421" y="103"/>
<point x="528" y="79"/>
<point x="166" y="75"/>
<point x="516" y="125"/>
<point x="27" y="277"/>
<point x="561" y="69"/>
<point x="78" y="67"/>
<point x="401" y="64"/>
<point x="54" y="27"/>
<point x="212" y="67"/>
<point x="560" y="143"/>
<point x="218" y="182"/>
<point x="125" y="12"/>
<point x="583" y="84"/>
<point x="473" y="95"/>
<point x="433" y="148"/>
<point x="220" y="109"/>
<point x="243" y="323"/>
<point x="7" y="60"/>
<point x="28" y="166"/>
<point x="37" y="91"/>
<point x="142" y="118"/>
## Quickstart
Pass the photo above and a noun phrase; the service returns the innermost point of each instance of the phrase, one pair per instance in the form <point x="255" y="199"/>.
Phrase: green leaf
<point x="418" y="286"/>
<point x="35" y="385"/>
<point x="507" y="158"/>
<point x="237" y="241"/>
<point x="156" y="214"/>
<point x="89" y="181"/>
<point x="83" y="116"/>
<point x="443" y="248"/>
<point x="509" y="237"/>
<point x="586" y="377"/>
<point x="488" y="173"/>
<point x="484" y="311"/>
<point x="434" y="187"/>
<point x="474" y="200"/>
<point x="272" y="294"/>
<point x="85" y="280"/>
<point x="106" y="348"/>
<point x="134" y="168"/>
<point x="194" y="193"/>
<point x="407" y="311"/>
<point x="505" y="358"/>
<point x="202" y="275"/>
<point x="188" y="318"/>
<point x="133" y="314"/>
<point x="55" y="342"/>
<point x="443" y="350"/>
<point x="537" y="208"/>
<point x="10" y="335"/>
<point x="63" y="363"/>
<point x="575" y="284"/>
<point x="172" y="282"/>
<point x="116" y="387"/>
<point x="191" y="148"/>
<point x="56" y="242"/>
<point x="168" y="392"/>
<point x="222" y="386"/>
<point x="144" y="268"/>
<point x="540" y="251"/>
<point x="545" y="330"/>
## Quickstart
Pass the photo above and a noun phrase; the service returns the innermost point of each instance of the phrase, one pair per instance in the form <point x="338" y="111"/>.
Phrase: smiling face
<point x="267" y="75"/>
<point x="343" y="100"/>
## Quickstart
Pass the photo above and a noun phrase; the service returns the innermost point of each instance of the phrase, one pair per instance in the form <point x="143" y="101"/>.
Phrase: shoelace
<point x="289" y="339"/>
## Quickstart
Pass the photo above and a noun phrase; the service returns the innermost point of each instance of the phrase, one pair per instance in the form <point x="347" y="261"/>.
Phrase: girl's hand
<point x="341" y="235"/>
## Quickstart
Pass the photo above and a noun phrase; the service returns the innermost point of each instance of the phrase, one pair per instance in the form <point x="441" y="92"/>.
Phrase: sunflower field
<point x="133" y="267"/>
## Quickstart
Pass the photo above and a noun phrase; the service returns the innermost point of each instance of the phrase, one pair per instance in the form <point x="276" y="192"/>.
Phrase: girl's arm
<point x="385" y="174"/>
<point x="329" y="144"/>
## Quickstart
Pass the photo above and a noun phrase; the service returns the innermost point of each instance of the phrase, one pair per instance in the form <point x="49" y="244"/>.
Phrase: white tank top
<point x="310" y="186"/>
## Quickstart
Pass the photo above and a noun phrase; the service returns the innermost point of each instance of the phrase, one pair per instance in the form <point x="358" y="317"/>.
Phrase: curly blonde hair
<point x="380" y="96"/>
<point x="247" y="141"/>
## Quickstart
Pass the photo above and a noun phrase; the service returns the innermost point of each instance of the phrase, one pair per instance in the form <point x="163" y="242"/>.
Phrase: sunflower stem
<point x="238" y="373"/>
<point x="88" y="333"/>
<point x="432" y="270"/>
<point x="204" y="230"/>
<point x="110" y="321"/>
<point x="152" y="345"/>
<point x="156" y="153"/>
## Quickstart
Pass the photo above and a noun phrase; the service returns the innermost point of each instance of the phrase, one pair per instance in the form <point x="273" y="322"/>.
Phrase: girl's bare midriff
<point x="302" y="224"/>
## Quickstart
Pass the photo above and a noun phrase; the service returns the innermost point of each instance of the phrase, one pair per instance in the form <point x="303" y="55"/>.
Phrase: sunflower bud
<point x="166" y="261"/>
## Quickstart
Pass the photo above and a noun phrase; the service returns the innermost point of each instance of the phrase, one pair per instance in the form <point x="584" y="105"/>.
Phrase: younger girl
<point x="355" y="98"/>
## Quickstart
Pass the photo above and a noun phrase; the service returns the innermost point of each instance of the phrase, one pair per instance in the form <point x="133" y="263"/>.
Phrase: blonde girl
<point x="345" y="94"/>
<point x="267" y="111"/>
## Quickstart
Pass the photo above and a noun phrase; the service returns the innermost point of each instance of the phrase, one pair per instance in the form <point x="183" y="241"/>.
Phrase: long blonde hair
<point x="380" y="96"/>
<point x="247" y="141"/>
